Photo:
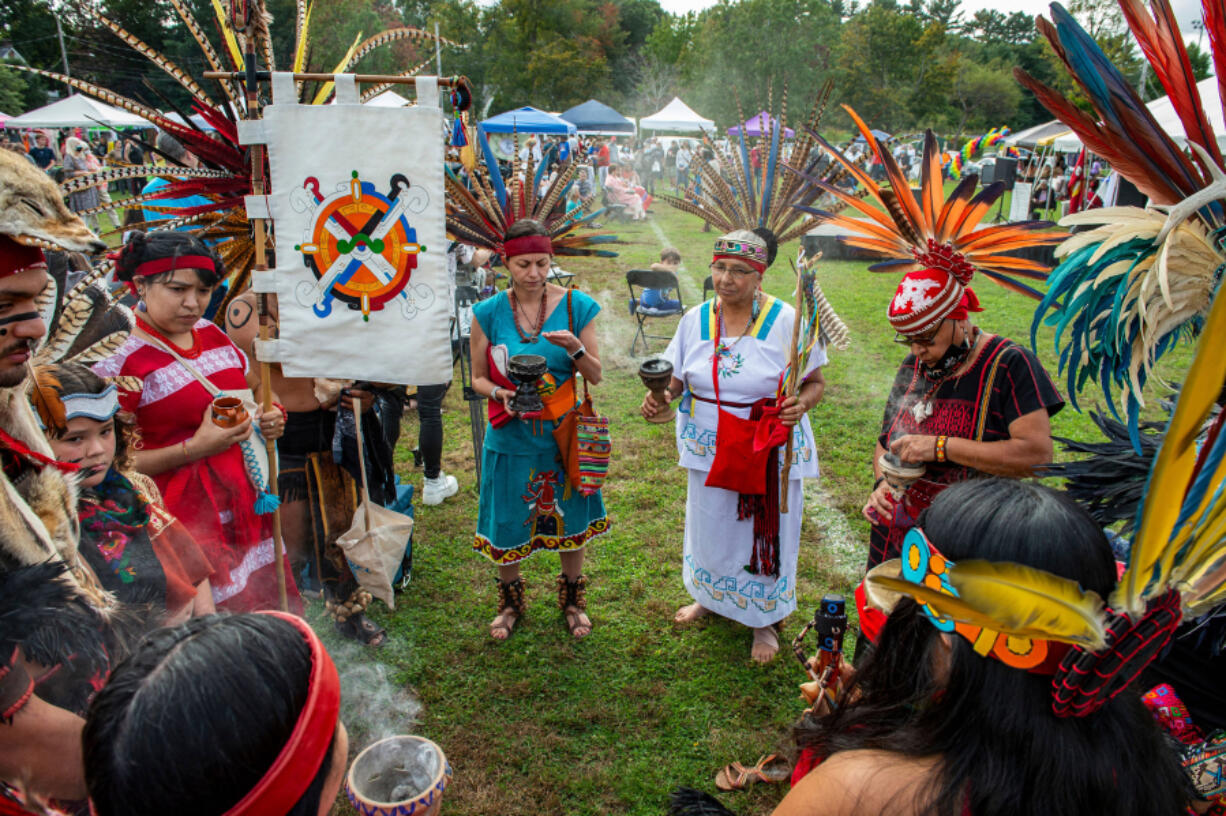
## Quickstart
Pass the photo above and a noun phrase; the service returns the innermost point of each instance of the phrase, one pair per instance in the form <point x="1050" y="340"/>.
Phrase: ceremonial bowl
<point x="228" y="412"/>
<point x="403" y="775"/>
<point x="525" y="370"/>
<point x="656" y="374"/>
<point x="900" y="475"/>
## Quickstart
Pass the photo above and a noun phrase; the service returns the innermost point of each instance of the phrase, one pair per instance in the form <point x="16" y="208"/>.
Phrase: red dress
<point x="212" y="497"/>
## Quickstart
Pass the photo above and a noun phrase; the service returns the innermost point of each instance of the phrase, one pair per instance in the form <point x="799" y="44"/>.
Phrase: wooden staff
<point x="251" y="76"/>
<point x="791" y="387"/>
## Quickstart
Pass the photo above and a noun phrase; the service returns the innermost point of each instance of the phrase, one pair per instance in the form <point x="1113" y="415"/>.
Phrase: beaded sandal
<point x="771" y="769"/>
<point x="572" y="600"/>
<point x="510" y="608"/>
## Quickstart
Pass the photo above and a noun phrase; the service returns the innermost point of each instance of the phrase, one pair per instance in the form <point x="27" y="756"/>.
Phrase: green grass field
<point x="544" y="725"/>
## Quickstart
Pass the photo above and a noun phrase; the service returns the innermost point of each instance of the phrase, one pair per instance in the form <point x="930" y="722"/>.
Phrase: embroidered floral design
<point x="729" y="361"/>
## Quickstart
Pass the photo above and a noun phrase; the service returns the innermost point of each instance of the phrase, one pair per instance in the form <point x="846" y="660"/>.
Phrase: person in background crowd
<point x="682" y="163"/>
<point x="603" y="159"/>
<point x="79" y="161"/>
<point x="42" y="153"/>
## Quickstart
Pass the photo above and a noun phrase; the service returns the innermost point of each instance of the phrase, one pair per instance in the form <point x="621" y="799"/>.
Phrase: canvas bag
<point x="742" y="446"/>
<point x="583" y="436"/>
<point x="374" y="543"/>
<point x="255" y="451"/>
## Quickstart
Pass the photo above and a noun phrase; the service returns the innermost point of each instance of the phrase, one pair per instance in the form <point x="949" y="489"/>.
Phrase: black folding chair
<point x="665" y="283"/>
<point x="708" y="288"/>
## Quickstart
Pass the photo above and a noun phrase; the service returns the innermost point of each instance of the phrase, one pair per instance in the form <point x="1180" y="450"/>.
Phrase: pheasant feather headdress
<point x="1126" y="292"/>
<point x="938" y="243"/>
<point x="481" y="206"/>
<point x="738" y="197"/>
<point x="224" y="175"/>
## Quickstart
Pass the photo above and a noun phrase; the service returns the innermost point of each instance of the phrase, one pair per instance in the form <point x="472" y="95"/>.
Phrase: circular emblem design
<point x="360" y="245"/>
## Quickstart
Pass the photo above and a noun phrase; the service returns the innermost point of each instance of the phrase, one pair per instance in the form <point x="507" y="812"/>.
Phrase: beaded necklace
<point x="723" y="330"/>
<point x="540" y="318"/>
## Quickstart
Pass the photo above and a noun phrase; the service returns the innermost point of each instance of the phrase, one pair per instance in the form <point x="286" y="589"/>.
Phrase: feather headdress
<point x="481" y="206"/>
<point x="224" y="175"/>
<point x="929" y="231"/>
<point x="1126" y="292"/>
<point x="740" y="197"/>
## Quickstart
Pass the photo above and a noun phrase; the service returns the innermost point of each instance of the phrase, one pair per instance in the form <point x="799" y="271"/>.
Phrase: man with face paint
<point x="41" y="700"/>
<point x="965" y="403"/>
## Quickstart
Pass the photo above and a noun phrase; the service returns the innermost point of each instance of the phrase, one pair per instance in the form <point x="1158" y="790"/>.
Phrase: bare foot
<point x="501" y="626"/>
<point x="691" y="613"/>
<point x="577" y="622"/>
<point x="765" y="644"/>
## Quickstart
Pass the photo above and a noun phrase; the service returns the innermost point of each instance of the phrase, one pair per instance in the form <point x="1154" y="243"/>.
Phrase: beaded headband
<point x="754" y="253"/>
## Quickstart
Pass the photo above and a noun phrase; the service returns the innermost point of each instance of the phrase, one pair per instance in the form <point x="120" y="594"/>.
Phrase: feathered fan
<point x="1127" y="291"/>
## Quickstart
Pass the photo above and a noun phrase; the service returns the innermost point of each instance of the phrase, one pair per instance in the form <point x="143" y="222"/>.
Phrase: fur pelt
<point x="32" y="211"/>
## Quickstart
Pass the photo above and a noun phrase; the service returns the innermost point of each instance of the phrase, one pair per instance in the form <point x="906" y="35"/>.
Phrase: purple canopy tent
<point x="755" y="125"/>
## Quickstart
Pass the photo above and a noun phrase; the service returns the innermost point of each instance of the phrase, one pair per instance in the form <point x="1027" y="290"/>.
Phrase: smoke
<point x="373" y="705"/>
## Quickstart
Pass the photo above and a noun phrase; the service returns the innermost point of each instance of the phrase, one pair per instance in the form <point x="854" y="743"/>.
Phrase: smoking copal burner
<point x="656" y="374"/>
<point x="397" y="776"/>
<point x="900" y="475"/>
<point x="526" y="370"/>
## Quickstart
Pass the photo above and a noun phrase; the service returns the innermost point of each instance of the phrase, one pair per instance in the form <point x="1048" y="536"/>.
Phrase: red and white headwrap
<point x="304" y="753"/>
<point x="159" y="265"/>
<point x="938" y="292"/>
<point x="15" y="257"/>
<point x="526" y="245"/>
<point x="742" y="245"/>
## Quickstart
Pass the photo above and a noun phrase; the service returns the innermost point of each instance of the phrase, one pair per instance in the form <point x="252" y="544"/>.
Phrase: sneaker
<point x="439" y="489"/>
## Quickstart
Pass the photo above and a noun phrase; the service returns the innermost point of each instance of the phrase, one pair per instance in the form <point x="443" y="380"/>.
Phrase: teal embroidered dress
<point x="526" y="505"/>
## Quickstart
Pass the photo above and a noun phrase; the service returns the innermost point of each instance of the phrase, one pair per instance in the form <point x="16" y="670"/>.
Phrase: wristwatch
<point x="578" y="353"/>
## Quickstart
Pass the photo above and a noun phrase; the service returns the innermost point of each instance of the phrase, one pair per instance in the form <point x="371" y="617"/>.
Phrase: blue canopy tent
<point x="528" y="120"/>
<point x="598" y="118"/>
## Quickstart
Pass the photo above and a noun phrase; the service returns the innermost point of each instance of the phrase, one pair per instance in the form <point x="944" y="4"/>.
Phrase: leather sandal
<point x="510" y="608"/>
<point x="572" y="600"/>
<point x="770" y="768"/>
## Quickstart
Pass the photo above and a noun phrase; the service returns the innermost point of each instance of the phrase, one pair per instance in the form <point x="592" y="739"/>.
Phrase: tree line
<point x="903" y="66"/>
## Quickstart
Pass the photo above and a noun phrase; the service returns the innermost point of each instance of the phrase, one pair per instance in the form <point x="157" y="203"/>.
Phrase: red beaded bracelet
<point x="941" y="442"/>
<point x="281" y="408"/>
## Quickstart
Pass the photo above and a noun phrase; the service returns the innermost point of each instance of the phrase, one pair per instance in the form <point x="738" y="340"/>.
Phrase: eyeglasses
<point x="924" y="340"/>
<point x="739" y="272"/>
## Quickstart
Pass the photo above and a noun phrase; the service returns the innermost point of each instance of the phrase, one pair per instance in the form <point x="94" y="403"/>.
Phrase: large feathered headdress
<point x="1127" y="291"/>
<point x="223" y="177"/>
<point x="937" y="242"/>
<point x="481" y="205"/>
<point x="740" y="197"/>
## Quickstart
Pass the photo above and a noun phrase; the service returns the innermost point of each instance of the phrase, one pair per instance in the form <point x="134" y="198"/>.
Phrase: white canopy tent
<point x="1033" y="136"/>
<point x="676" y="116"/>
<point x="77" y="110"/>
<point x="1164" y="112"/>
<point x="387" y="99"/>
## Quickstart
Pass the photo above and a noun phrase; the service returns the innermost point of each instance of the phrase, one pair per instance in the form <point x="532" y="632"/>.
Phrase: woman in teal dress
<point x="526" y="503"/>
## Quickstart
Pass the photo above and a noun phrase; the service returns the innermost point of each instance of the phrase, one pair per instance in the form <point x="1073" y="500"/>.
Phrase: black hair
<point x="772" y="243"/>
<point x="525" y="227"/>
<point x="151" y="246"/>
<point x="192" y="721"/>
<point x="1001" y="748"/>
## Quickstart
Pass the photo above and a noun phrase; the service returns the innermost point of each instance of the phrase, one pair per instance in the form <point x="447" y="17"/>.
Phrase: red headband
<point x="295" y="767"/>
<point x="15" y="257"/>
<point x="757" y="266"/>
<point x="526" y="245"/>
<point x="160" y="265"/>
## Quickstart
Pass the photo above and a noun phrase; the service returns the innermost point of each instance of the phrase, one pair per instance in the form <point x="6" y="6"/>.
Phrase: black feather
<point x="690" y="802"/>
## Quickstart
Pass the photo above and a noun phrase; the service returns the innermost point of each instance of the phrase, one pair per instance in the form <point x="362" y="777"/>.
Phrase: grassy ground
<point x="546" y="725"/>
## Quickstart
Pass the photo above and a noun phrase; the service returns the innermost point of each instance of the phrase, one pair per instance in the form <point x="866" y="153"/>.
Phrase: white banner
<point x="361" y="262"/>
<point x="1019" y="205"/>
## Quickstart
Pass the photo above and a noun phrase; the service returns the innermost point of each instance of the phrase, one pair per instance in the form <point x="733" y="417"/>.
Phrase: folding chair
<point x="664" y="282"/>
<point x="708" y="288"/>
